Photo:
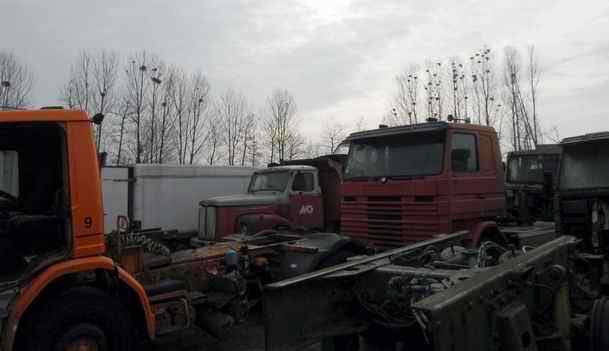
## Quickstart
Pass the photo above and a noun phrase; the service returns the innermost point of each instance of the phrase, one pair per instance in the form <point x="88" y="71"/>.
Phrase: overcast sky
<point x="337" y="57"/>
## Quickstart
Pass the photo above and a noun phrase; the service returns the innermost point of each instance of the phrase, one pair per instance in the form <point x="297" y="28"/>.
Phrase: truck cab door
<point x="477" y="185"/>
<point x="306" y="209"/>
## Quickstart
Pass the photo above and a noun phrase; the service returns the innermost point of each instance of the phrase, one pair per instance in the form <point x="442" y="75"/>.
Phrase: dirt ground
<point x="247" y="336"/>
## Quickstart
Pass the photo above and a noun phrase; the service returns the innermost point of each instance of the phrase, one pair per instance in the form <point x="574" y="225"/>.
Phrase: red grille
<point x="390" y="221"/>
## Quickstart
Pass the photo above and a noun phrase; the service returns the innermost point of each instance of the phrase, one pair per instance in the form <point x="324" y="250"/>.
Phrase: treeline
<point x="496" y="90"/>
<point x="156" y="112"/>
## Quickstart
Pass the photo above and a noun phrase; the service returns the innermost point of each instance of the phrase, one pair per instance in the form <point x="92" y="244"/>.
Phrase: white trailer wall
<point x="115" y="194"/>
<point x="168" y="196"/>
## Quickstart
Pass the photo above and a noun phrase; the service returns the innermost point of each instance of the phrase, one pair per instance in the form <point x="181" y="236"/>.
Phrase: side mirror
<point x="98" y="118"/>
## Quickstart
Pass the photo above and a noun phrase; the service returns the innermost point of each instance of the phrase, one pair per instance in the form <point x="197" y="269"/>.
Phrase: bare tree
<point x="254" y="151"/>
<point x="333" y="135"/>
<point x="214" y="139"/>
<point x="138" y="84"/>
<point x="199" y="102"/>
<point x="534" y="75"/>
<point x="105" y="69"/>
<point x="232" y="109"/>
<point x="166" y="122"/>
<point x="79" y="90"/>
<point x="180" y="103"/>
<point x="249" y="136"/>
<point x="124" y="110"/>
<point x="294" y="145"/>
<point x="484" y="86"/>
<point x="16" y="81"/>
<point x="280" y="123"/>
<point x="407" y="98"/>
<point x="523" y="136"/>
<point x="434" y="90"/>
<point x="156" y="78"/>
<point x="458" y="88"/>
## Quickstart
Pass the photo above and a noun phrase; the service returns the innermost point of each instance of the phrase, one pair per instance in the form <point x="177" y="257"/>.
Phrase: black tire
<point x="84" y="315"/>
<point x="599" y="322"/>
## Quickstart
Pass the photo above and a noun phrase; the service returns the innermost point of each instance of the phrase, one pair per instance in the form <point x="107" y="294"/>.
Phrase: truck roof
<point x="541" y="149"/>
<point x="42" y="115"/>
<point x="416" y="128"/>
<point x="287" y="168"/>
<point x="585" y="138"/>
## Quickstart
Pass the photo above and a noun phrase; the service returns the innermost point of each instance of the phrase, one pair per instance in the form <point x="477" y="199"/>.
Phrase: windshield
<point x="526" y="169"/>
<point x="585" y="166"/>
<point x="401" y="155"/>
<point x="9" y="172"/>
<point x="269" y="181"/>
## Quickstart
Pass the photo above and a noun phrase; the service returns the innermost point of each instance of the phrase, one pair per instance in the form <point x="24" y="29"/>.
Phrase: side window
<point x="9" y="172"/>
<point x="464" y="155"/>
<point x="303" y="182"/>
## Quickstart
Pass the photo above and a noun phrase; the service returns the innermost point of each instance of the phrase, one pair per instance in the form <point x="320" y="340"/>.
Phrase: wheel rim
<point x="82" y="337"/>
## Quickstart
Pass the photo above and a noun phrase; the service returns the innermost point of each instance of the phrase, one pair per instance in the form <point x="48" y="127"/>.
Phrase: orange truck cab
<point x="408" y="183"/>
<point x="52" y="241"/>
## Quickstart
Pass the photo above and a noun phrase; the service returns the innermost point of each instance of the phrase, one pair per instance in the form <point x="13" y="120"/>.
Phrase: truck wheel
<point x="80" y="319"/>
<point x="599" y="322"/>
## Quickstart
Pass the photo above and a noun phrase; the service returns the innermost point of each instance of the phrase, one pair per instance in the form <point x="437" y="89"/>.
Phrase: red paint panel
<point x="306" y="211"/>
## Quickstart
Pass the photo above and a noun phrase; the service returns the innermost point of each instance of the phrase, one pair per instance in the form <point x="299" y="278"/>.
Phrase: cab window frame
<point x="475" y="154"/>
<point x="304" y="174"/>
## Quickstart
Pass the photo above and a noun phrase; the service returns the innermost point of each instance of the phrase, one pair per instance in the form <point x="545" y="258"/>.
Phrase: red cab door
<point x="306" y="208"/>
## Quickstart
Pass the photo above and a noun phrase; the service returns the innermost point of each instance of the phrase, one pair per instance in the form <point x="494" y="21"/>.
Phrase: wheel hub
<point x="82" y="337"/>
<point x="83" y="344"/>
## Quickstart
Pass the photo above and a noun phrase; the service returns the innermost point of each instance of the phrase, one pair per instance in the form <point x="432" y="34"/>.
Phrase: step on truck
<point x="65" y="285"/>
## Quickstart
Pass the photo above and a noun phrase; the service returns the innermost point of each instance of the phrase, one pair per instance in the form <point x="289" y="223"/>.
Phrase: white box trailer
<point x="166" y="196"/>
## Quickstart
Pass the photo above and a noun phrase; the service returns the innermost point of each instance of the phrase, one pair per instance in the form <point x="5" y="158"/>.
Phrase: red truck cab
<point x="405" y="184"/>
<point x="278" y="197"/>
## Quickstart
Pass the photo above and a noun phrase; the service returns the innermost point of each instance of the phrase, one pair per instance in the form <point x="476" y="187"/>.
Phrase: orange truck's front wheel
<point x="82" y="318"/>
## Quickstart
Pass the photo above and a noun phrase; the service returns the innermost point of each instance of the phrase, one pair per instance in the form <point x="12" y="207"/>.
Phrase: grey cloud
<point x="327" y="62"/>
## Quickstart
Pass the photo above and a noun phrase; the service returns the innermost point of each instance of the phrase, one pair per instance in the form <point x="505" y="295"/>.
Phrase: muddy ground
<point x="247" y="336"/>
